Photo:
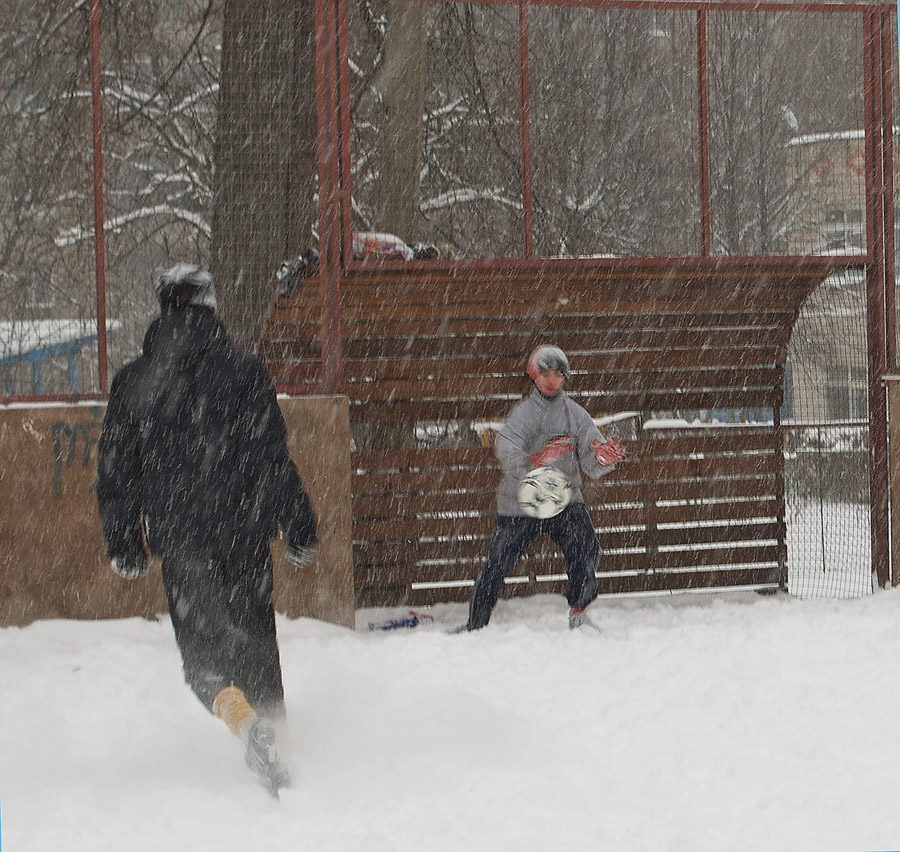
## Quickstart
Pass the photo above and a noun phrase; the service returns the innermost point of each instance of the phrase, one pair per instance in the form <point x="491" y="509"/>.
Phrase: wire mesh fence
<point x="159" y="85"/>
<point x="477" y="131"/>
<point x="827" y="444"/>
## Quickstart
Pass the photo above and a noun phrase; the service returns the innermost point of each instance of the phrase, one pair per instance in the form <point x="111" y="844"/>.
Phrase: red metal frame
<point x="887" y="135"/>
<point x="687" y="5"/>
<point x="328" y="91"/>
<point x="703" y="134"/>
<point x="880" y="324"/>
<point x="832" y="263"/>
<point x="878" y="261"/>
<point x="343" y="33"/>
<point x="335" y="196"/>
<point x="99" y="247"/>
<point x="525" y="130"/>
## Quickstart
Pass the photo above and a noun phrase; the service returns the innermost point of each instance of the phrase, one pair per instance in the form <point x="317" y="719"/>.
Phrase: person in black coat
<point x="193" y="467"/>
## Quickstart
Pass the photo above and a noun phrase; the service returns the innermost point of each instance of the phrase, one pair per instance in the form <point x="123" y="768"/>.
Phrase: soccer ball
<point x="544" y="493"/>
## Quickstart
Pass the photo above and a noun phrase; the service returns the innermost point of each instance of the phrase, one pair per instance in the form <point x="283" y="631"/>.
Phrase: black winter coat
<point x="193" y="446"/>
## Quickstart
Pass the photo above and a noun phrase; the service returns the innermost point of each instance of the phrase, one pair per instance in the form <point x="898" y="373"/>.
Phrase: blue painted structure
<point x="64" y="338"/>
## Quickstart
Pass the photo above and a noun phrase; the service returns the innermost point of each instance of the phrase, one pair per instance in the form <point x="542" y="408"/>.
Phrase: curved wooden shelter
<point x="424" y="345"/>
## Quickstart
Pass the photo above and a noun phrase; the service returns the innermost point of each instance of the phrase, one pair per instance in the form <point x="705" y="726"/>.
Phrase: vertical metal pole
<point x="525" y="131"/>
<point x="329" y="200"/>
<point x="887" y="134"/>
<point x="345" y="178"/>
<point x="887" y="97"/>
<point x="99" y="247"/>
<point x="890" y="307"/>
<point x="875" y="304"/>
<point x="778" y="437"/>
<point x="703" y="134"/>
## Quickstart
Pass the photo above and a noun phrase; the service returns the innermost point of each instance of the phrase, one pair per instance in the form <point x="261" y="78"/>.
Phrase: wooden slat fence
<point x="421" y="345"/>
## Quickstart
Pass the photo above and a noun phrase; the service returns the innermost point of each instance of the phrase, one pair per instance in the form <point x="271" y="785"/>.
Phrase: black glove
<point x="130" y="567"/>
<point x="302" y="555"/>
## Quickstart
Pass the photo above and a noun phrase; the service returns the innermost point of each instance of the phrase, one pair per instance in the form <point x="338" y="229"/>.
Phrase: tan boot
<point x="232" y="707"/>
<point x="259" y="736"/>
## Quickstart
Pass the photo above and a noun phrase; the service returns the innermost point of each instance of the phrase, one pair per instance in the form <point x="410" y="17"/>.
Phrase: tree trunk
<point x="401" y="85"/>
<point x="265" y="158"/>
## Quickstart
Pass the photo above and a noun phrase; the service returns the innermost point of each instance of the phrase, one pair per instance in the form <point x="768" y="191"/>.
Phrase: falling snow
<point x="703" y="722"/>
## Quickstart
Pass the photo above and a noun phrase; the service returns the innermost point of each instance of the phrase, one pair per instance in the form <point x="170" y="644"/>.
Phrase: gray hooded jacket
<point x="534" y="421"/>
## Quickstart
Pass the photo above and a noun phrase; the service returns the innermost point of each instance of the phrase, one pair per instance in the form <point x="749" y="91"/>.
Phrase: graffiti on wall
<point x="73" y="447"/>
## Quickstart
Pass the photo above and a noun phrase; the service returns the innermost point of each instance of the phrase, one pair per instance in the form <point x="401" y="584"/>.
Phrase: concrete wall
<point x="52" y="560"/>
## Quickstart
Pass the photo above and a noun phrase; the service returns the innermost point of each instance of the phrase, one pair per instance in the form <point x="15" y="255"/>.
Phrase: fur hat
<point x="183" y="285"/>
<point x="547" y="358"/>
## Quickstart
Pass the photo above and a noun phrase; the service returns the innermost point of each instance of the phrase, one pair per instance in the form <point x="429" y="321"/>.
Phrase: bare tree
<point x="160" y="80"/>
<point x="265" y="154"/>
<point x="400" y="85"/>
<point x="436" y="137"/>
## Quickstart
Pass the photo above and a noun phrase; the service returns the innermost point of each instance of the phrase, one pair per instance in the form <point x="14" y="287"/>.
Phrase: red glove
<point x="610" y="452"/>
<point x="553" y="451"/>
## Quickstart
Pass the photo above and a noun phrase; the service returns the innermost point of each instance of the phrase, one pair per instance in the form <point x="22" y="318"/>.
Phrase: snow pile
<point x="704" y="722"/>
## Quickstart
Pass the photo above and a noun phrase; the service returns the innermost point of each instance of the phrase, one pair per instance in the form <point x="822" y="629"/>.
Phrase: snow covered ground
<point x="705" y="722"/>
<point x="829" y="550"/>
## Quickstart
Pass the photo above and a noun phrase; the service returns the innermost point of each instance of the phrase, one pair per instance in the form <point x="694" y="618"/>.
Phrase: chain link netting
<point x="438" y="155"/>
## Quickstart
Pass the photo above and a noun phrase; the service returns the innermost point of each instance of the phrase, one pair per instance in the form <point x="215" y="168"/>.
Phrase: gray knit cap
<point x="547" y="358"/>
<point x="185" y="284"/>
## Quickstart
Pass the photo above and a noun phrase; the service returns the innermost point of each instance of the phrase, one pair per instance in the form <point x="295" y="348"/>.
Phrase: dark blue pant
<point x="574" y="535"/>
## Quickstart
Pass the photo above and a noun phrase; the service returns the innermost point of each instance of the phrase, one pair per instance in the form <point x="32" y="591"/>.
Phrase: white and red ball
<point x="544" y="493"/>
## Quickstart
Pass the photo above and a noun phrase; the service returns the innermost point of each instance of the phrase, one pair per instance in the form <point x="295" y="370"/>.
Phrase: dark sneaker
<point x="577" y="617"/>
<point x="262" y="756"/>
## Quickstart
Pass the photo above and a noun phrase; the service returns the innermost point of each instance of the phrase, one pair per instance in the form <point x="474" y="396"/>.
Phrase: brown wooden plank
<point x="715" y="440"/>
<point x="459" y="296"/>
<point x="377" y="507"/>
<point x="395" y="481"/>
<point x="745" y="359"/>
<point x="408" y="524"/>
<point x="695" y="535"/>
<point x="498" y="408"/>
<point x="421" y="458"/>
<point x="406" y="531"/>
<point x="431" y="561"/>
<point x="372" y="498"/>
<point x="764" y="507"/>
<point x="469" y="284"/>
<point x="772" y="270"/>
<point x="609" y="302"/>
<point x="402" y="340"/>
<point x="405" y="356"/>
<point x="423" y="507"/>
<point x="451" y="377"/>
<point x="416" y="515"/>
<point x="708" y="441"/>
<point x="431" y="481"/>
<point x="517" y="298"/>
<point x="642" y="583"/>
<point x="417" y="528"/>
<point x="370" y="343"/>
<point x="713" y="467"/>
<point x="728" y="489"/>
<point x="287" y="323"/>
<point x="515" y="342"/>
<point x="300" y="369"/>
<point x="467" y="392"/>
<point x="570" y="280"/>
<point x="646" y="383"/>
<point x="546" y="563"/>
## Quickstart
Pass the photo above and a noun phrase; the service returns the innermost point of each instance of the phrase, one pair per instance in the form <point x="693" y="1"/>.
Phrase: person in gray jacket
<point x="546" y="428"/>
